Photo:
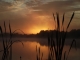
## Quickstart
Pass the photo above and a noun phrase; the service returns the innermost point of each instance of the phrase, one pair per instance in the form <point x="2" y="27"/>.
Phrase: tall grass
<point x="20" y="58"/>
<point x="39" y="55"/>
<point x="56" y="46"/>
<point x="7" y="43"/>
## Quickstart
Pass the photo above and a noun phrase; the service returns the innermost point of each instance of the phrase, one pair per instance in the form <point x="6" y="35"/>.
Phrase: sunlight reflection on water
<point x="28" y="52"/>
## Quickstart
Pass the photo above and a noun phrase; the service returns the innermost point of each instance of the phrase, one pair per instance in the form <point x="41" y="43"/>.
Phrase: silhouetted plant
<point x="56" y="46"/>
<point x="20" y="58"/>
<point x="39" y="55"/>
<point x="7" y="44"/>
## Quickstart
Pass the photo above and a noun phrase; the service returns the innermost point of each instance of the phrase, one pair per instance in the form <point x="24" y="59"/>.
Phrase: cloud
<point x="50" y="6"/>
<point x="58" y="6"/>
<point x="4" y="6"/>
<point x="43" y="5"/>
<point x="16" y="5"/>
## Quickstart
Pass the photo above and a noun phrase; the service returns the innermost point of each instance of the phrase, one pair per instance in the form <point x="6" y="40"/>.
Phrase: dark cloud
<point x="48" y="6"/>
<point x="58" y="6"/>
<point x="33" y="3"/>
<point x="18" y="0"/>
<point x="4" y="6"/>
<point x="74" y="0"/>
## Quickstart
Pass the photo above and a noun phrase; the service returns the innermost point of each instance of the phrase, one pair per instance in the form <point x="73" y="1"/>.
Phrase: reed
<point x="7" y="44"/>
<point x="56" y="45"/>
<point x="20" y="58"/>
<point x="39" y="54"/>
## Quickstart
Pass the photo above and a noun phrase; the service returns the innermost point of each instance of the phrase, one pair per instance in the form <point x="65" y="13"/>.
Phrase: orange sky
<point x="31" y="16"/>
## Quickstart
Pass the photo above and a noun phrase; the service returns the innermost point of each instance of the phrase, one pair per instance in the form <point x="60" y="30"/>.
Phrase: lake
<point x="28" y="51"/>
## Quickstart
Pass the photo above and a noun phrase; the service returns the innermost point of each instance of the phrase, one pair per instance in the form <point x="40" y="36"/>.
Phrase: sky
<point x="31" y="16"/>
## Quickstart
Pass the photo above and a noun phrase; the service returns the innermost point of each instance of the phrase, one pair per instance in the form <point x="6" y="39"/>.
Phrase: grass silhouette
<point x="7" y="44"/>
<point x="56" y="46"/>
<point x="39" y="54"/>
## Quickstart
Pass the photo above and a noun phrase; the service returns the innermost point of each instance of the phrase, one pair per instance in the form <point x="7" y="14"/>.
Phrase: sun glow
<point x="37" y="30"/>
<point x="39" y="23"/>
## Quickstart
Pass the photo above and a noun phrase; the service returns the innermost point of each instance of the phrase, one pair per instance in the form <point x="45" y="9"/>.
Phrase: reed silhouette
<point x="7" y="43"/>
<point x="39" y="55"/>
<point x="56" y="46"/>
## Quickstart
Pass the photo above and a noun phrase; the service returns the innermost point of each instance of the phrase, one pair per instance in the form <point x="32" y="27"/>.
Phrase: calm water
<point x="28" y="52"/>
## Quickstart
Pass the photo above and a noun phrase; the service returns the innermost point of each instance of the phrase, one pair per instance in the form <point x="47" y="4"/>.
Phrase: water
<point x="28" y="51"/>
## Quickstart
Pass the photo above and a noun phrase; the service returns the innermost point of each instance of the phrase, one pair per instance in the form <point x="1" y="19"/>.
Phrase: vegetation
<point x="7" y="44"/>
<point x="56" y="46"/>
<point x="39" y="54"/>
<point x="70" y="34"/>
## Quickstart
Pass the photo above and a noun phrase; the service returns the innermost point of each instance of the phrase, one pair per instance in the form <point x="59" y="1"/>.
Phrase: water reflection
<point x="28" y="52"/>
